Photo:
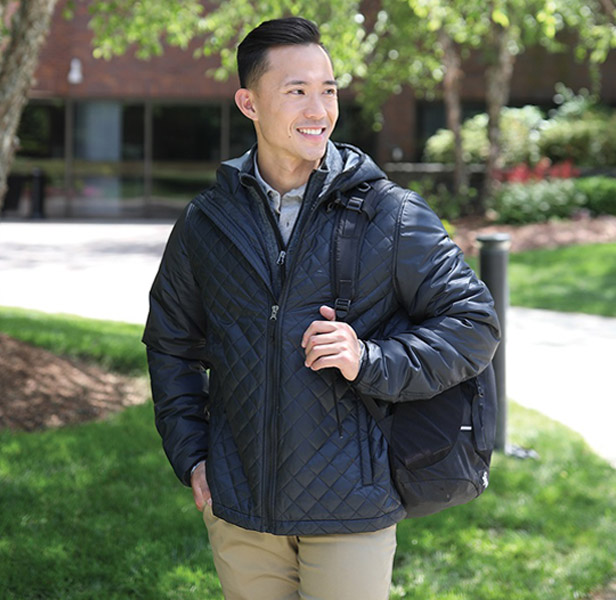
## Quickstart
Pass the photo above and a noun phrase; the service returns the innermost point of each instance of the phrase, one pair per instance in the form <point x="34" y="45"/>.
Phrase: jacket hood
<point x="343" y="168"/>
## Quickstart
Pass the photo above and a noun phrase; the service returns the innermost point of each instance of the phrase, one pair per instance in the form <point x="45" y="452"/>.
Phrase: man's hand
<point x="200" y="489"/>
<point x="332" y="344"/>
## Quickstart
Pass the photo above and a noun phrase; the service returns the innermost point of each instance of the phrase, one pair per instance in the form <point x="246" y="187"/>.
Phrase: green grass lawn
<point x="94" y="512"/>
<point x="570" y="279"/>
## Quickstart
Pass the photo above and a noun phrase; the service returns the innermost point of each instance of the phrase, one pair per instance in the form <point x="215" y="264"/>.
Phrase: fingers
<point x="328" y="313"/>
<point x="326" y="333"/>
<point x="329" y="344"/>
<point x="317" y="328"/>
<point x="323" y="344"/>
<point x="327" y="357"/>
<point x="200" y="488"/>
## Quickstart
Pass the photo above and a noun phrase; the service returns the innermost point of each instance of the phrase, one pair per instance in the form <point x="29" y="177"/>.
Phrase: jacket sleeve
<point x="175" y="339"/>
<point x="448" y="330"/>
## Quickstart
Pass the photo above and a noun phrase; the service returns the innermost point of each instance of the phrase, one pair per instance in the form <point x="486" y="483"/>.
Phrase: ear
<point x="245" y="102"/>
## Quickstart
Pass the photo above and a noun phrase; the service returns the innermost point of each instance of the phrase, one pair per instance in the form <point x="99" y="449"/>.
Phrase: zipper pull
<point x="281" y="258"/>
<point x="274" y="313"/>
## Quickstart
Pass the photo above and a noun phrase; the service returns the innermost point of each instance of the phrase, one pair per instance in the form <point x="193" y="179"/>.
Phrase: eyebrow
<point x="301" y="82"/>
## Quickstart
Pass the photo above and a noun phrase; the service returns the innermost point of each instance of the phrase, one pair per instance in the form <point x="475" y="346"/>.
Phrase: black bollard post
<point x="37" y="195"/>
<point x="493" y="260"/>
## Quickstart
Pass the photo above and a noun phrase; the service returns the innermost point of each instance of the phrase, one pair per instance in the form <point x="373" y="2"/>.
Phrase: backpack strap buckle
<point x="342" y="306"/>
<point x="355" y="204"/>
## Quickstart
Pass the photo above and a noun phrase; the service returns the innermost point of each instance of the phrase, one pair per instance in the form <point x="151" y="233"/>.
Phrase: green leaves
<point x="500" y="17"/>
<point x="148" y="24"/>
<point x="120" y="24"/>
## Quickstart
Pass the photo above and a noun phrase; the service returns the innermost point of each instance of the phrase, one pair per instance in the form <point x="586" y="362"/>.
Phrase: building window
<point x="41" y="130"/>
<point x="138" y="159"/>
<point x="186" y="132"/>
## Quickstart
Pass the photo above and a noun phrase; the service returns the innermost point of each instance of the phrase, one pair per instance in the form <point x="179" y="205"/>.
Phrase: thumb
<point x="328" y="313"/>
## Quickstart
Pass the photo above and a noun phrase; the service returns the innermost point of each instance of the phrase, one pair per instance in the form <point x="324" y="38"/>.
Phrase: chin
<point x="315" y="153"/>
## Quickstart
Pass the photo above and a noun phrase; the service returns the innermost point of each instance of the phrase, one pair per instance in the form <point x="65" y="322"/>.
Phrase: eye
<point x="296" y="92"/>
<point x="331" y="92"/>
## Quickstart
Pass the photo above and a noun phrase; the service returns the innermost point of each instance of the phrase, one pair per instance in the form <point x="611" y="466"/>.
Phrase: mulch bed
<point x="584" y="230"/>
<point x="39" y="390"/>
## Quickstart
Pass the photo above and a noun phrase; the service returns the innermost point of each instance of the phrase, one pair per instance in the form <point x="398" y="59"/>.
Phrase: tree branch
<point x="609" y="6"/>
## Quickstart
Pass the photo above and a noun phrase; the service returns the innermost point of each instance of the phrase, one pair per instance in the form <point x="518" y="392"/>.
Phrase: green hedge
<point x="600" y="194"/>
<point x="590" y="141"/>
<point x="517" y="203"/>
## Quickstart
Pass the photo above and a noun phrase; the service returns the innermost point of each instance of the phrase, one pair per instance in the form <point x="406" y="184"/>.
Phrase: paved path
<point x="563" y="365"/>
<point x="560" y="364"/>
<point x="94" y="270"/>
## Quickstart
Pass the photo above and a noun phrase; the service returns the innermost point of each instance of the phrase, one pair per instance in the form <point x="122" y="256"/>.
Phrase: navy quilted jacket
<point x="231" y="301"/>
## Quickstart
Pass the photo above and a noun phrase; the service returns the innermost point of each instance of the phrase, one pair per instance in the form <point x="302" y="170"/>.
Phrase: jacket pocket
<point x="365" y="446"/>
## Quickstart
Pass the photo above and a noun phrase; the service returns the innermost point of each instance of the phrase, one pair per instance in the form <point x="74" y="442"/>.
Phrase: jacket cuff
<point x="194" y="467"/>
<point x="363" y="356"/>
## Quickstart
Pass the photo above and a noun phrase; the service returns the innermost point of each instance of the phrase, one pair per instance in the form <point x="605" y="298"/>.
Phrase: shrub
<point x="523" y="173"/>
<point x="600" y="194"/>
<point x="440" y="146"/>
<point x="518" y="203"/>
<point x="519" y="129"/>
<point x="579" y="130"/>
<point x="442" y="200"/>
<point x="589" y="141"/>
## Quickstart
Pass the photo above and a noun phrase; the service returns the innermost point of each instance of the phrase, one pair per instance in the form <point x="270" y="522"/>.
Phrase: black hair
<point x="252" y="51"/>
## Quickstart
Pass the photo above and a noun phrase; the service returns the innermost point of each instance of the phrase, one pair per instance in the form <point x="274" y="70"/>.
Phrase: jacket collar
<point x="343" y="167"/>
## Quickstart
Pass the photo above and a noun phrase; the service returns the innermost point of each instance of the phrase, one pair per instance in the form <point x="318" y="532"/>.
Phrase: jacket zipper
<point x="270" y="440"/>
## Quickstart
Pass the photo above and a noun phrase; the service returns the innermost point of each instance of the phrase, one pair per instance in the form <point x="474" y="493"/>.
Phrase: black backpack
<point x="439" y="448"/>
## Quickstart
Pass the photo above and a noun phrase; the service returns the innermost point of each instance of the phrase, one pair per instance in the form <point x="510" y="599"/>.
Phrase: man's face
<point x="295" y="104"/>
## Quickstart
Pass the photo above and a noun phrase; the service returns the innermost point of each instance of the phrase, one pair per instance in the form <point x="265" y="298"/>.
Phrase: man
<point x="289" y="469"/>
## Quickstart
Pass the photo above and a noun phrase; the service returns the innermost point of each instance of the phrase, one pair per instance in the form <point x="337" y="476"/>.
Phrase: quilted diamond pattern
<point x="278" y="462"/>
<point x="290" y="451"/>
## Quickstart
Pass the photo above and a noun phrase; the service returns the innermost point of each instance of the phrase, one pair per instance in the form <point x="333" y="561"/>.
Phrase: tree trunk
<point x="28" y="23"/>
<point x="498" y="84"/>
<point x="453" y="108"/>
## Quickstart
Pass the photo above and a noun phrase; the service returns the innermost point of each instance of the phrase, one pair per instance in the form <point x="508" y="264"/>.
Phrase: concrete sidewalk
<point x="557" y="363"/>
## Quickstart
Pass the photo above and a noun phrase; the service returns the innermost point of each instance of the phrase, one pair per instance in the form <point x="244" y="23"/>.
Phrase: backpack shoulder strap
<point x="358" y="209"/>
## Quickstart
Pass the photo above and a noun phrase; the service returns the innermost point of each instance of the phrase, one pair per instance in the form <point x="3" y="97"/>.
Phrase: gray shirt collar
<point x="274" y="197"/>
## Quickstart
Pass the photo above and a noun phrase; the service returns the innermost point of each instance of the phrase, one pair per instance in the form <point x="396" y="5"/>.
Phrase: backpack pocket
<point x="440" y="448"/>
<point x="423" y="432"/>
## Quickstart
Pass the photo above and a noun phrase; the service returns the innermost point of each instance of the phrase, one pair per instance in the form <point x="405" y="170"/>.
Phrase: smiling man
<point x="256" y="384"/>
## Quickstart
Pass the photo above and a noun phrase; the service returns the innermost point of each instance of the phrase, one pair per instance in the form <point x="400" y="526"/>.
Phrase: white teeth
<point x="311" y="131"/>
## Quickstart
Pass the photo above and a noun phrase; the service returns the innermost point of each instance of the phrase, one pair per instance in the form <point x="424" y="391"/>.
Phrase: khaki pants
<point x="261" y="566"/>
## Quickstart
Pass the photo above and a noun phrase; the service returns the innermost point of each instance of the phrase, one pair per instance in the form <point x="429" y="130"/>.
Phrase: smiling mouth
<point x="316" y="131"/>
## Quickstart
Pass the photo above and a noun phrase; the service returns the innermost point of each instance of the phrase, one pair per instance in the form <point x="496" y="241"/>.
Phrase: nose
<point x="314" y="107"/>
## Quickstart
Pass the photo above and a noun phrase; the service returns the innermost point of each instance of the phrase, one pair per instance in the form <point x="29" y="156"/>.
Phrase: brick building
<point x="138" y="138"/>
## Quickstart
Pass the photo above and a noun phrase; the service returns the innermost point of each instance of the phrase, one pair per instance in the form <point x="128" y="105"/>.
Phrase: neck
<point x="284" y="176"/>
